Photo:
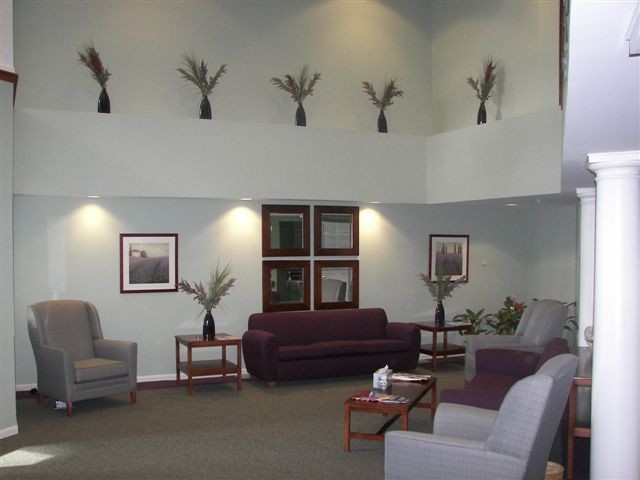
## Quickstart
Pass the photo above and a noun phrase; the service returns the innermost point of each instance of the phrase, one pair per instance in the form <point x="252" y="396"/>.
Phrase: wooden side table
<point x="581" y="379"/>
<point x="198" y="368"/>
<point x="445" y="348"/>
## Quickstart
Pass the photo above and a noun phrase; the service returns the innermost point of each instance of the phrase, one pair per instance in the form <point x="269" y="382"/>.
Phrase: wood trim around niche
<point x="10" y="77"/>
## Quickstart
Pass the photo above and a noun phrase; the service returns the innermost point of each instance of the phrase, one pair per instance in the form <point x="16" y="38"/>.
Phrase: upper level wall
<point x="521" y="35"/>
<point x="142" y="42"/>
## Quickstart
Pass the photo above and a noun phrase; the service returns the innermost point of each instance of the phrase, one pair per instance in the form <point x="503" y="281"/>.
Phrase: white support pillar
<point x="587" y="197"/>
<point x="615" y="412"/>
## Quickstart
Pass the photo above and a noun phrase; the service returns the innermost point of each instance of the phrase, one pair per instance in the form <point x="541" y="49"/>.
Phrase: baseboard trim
<point x="9" y="431"/>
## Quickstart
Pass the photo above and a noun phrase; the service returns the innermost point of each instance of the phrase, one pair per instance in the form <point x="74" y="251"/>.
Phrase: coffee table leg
<point x="346" y="441"/>
<point x="405" y="420"/>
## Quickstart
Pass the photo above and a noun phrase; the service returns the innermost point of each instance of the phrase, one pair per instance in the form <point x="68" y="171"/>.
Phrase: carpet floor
<point x="293" y="431"/>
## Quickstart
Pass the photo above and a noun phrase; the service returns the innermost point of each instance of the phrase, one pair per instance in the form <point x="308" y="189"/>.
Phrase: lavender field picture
<point x="148" y="263"/>
<point x="448" y="256"/>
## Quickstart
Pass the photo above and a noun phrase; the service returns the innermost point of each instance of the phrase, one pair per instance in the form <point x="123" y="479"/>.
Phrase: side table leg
<point x="434" y="395"/>
<point x="434" y="353"/>
<point x="445" y="346"/>
<point x="189" y="370"/>
<point x="177" y="362"/>
<point x="239" y="363"/>
<point x="346" y="441"/>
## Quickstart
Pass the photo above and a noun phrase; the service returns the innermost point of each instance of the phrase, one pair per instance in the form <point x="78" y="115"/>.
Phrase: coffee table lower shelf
<point x="413" y="391"/>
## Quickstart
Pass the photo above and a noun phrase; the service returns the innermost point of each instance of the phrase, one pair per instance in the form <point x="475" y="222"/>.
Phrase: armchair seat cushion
<point x="340" y="347"/>
<point x="96" y="368"/>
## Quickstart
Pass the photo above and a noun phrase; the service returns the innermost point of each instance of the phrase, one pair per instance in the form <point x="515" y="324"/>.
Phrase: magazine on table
<point x="378" y="397"/>
<point x="409" y="377"/>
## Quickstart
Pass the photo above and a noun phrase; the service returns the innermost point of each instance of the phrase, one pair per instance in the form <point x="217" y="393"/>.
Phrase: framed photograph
<point x="449" y="256"/>
<point x="148" y="262"/>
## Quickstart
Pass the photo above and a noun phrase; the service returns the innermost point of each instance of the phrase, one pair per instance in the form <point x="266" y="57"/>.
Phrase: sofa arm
<point x="410" y="334"/>
<point x="120" y="350"/>
<point x="56" y="372"/>
<point x="505" y="361"/>
<point x="260" y="350"/>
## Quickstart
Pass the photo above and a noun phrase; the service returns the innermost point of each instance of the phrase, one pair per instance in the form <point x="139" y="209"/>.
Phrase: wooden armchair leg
<point x="134" y="397"/>
<point x="69" y="409"/>
<point x="271" y="384"/>
<point x="39" y="398"/>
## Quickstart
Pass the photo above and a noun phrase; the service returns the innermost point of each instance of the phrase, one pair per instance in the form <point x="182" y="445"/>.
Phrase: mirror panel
<point x="285" y="285"/>
<point x="336" y="284"/>
<point x="336" y="230"/>
<point x="285" y="230"/>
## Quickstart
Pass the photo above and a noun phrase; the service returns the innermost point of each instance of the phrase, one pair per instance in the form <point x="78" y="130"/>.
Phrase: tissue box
<point x="382" y="378"/>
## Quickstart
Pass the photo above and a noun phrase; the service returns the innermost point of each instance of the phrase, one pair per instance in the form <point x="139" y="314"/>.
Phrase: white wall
<point x="141" y="43"/>
<point x="521" y="35"/>
<point x="68" y="248"/>
<point x="8" y="422"/>
<point x="6" y="36"/>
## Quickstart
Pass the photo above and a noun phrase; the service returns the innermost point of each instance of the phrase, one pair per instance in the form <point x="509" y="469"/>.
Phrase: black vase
<point x="301" y="117"/>
<point x="208" y="327"/>
<point x="205" y="109"/>
<point x="104" y="104"/>
<point x="382" y="122"/>
<point x="482" y="114"/>
<point x="439" y="315"/>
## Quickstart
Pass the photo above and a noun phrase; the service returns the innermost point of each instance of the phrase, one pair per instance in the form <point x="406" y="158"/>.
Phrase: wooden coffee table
<point x="414" y="391"/>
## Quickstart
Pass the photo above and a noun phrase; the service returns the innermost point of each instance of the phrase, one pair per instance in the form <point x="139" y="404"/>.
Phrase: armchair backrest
<point x="542" y="320"/>
<point x="71" y="325"/>
<point x="529" y="416"/>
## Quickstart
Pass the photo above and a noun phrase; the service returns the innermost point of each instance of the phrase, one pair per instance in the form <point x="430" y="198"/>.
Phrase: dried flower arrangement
<point x="442" y="287"/>
<point x="198" y="74"/>
<point x="220" y="282"/>
<point x="389" y="93"/>
<point x="487" y="80"/>
<point x="90" y="58"/>
<point x="299" y="87"/>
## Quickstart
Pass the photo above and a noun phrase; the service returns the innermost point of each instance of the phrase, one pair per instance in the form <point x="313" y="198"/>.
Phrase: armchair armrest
<point x="506" y="361"/>
<point x="260" y="351"/>
<point x="56" y="372"/>
<point x="120" y="350"/>
<point x="463" y="421"/>
<point x="476" y="342"/>
<point x="411" y="455"/>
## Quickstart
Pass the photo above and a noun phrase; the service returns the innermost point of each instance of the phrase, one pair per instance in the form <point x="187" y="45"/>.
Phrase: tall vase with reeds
<point x="389" y="92"/>
<point x="483" y="86"/>
<point x="90" y="58"/>
<point x="197" y="73"/>
<point x="298" y="87"/>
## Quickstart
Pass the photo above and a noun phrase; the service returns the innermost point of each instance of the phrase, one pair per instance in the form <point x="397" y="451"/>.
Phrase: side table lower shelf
<point x="450" y="349"/>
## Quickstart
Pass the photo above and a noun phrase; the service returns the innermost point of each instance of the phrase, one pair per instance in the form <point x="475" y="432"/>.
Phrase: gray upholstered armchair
<point x="541" y="321"/>
<point x="73" y="360"/>
<point x="471" y="442"/>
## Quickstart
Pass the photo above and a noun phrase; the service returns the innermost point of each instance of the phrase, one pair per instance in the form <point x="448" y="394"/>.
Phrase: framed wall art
<point x="148" y="262"/>
<point x="449" y="256"/>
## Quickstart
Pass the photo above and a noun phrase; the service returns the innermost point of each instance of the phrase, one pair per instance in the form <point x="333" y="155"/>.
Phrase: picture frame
<point x="148" y="262"/>
<point x="286" y="285"/>
<point x="336" y="284"/>
<point x="336" y="231"/>
<point x="285" y="231"/>
<point x="449" y="256"/>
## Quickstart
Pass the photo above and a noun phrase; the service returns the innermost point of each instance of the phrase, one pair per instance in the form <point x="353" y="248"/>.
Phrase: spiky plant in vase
<point x="220" y="282"/>
<point x="299" y="88"/>
<point x="390" y="92"/>
<point x="197" y="72"/>
<point x="483" y="86"/>
<point x="90" y="58"/>
<point x="440" y="289"/>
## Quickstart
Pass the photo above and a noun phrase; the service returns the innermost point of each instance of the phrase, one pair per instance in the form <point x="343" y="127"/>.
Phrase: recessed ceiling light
<point x="93" y="196"/>
<point x="246" y="199"/>
<point x="512" y="204"/>
<point x="374" y="202"/>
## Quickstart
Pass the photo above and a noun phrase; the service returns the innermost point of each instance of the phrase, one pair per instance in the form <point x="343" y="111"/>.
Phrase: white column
<point x="615" y="413"/>
<point x="587" y="197"/>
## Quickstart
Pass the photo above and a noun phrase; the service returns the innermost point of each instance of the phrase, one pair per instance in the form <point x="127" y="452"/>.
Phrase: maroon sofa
<point x="497" y="369"/>
<point x="327" y="343"/>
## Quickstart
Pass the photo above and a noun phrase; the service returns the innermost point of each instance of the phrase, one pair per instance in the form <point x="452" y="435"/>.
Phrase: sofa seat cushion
<point x="341" y="347"/>
<point x="493" y="381"/>
<point x="97" y="368"/>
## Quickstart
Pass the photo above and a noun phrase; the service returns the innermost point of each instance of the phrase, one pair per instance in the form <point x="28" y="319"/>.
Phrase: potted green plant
<point x="197" y="73"/>
<point x="90" y="58"/>
<point x="478" y="321"/>
<point x="440" y="289"/>
<point x="505" y="321"/>
<point x="299" y="88"/>
<point x="220" y="282"/>
<point x="389" y="93"/>
<point x="483" y="86"/>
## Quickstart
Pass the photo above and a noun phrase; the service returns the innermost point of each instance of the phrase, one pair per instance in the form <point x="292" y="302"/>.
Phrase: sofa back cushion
<point x="304" y="328"/>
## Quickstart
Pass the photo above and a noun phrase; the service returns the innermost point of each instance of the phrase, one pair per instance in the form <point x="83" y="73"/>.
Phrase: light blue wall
<point x="68" y="248"/>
